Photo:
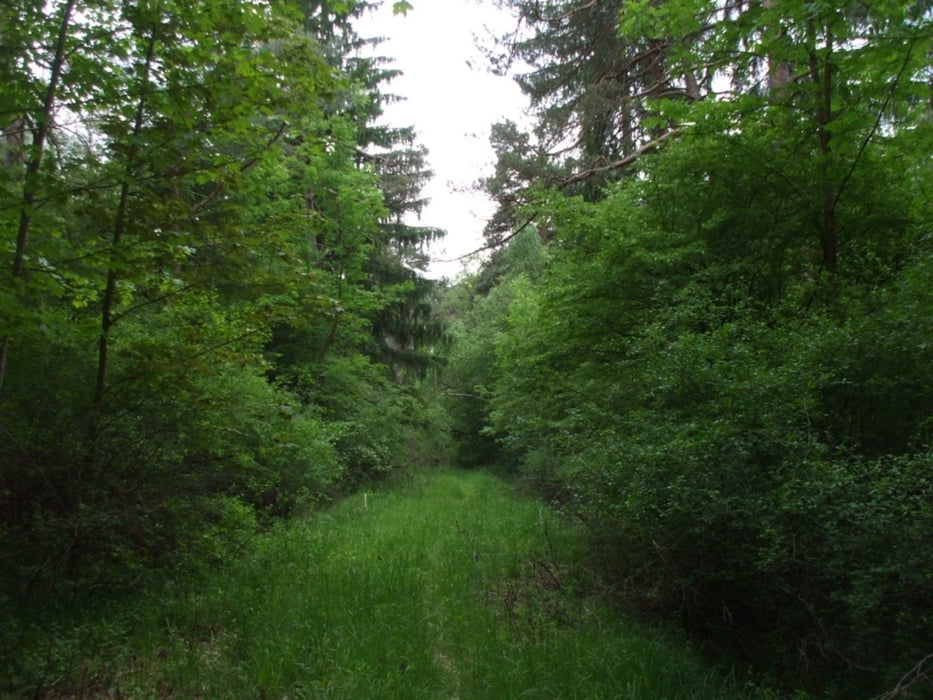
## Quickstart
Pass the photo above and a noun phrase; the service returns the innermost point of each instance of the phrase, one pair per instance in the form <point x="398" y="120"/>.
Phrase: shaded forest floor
<point x="446" y="585"/>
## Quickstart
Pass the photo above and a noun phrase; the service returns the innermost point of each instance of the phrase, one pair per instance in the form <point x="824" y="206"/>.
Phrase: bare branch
<point x="915" y="675"/>
<point x="579" y="177"/>
<point x="492" y="246"/>
<point x="621" y="163"/>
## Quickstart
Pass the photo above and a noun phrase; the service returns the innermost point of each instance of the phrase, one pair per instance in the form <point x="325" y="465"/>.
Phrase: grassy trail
<point x="449" y="587"/>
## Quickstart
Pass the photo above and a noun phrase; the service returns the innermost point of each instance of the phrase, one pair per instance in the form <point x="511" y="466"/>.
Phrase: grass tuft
<point x="448" y="586"/>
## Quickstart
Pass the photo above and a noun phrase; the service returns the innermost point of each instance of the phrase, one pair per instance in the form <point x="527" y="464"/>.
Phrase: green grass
<point x="449" y="587"/>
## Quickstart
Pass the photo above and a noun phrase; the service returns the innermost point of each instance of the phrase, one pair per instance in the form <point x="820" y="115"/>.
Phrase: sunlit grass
<point x="448" y="587"/>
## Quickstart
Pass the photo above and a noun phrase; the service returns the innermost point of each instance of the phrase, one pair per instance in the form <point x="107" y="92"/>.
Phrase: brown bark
<point x="692" y="86"/>
<point x="14" y="141"/>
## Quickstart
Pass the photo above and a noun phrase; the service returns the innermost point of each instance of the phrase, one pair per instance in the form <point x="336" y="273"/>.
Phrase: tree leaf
<point x="402" y="7"/>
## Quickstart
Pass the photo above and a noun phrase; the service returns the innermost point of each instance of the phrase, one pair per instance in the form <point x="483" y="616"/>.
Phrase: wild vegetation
<point x="709" y="334"/>
<point x="446" y="585"/>
<point x="703" y="336"/>
<point x="211" y="295"/>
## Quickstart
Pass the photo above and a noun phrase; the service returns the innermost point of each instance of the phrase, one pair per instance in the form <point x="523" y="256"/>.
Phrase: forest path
<point x="447" y="586"/>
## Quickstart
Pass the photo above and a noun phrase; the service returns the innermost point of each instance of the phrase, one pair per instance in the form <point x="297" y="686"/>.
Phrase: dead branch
<point x="915" y="675"/>
<point x="579" y="177"/>
<point x="492" y="246"/>
<point x="621" y="163"/>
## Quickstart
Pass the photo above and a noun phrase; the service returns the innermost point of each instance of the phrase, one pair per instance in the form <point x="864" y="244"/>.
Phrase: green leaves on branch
<point x="719" y="362"/>
<point x="193" y="285"/>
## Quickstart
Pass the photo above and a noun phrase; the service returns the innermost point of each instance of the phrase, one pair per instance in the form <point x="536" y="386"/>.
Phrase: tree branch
<point x="491" y="246"/>
<point x="538" y="17"/>
<point x="579" y="177"/>
<point x="874" y="128"/>
<point x="621" y="163"/>
<point x="915" y="675"/>
<point x="212" y="195"/>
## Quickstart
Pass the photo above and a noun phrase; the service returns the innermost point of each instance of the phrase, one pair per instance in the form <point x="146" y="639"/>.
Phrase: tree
<point x="360" y="363"/>
<point x="592" y="91"/>
<point x="477" y="311"/>
<point x="709" y="369"/>
<point x="37" y="119"/>
<point x="802" y="68"/>
<point x="158" y="230"/>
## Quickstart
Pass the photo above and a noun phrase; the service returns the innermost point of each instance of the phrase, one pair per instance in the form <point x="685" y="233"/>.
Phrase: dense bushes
<point x="191" y="453"/>
<point x="190" y="310"/>
<point x="184" y="450"/>
<point x="747" y="437"/>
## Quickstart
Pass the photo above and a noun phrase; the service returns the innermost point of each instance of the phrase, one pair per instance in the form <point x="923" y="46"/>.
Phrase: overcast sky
<point x="451" y="101"/>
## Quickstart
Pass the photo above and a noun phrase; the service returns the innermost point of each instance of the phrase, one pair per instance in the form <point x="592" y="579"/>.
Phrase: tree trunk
<point x="779" y="74"/>
<point x="119" y="228"/>
<point x="40" y="132"/>
<point x="821" y="73"/>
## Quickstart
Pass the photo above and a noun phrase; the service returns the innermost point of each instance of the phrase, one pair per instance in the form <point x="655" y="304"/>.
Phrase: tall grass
<point x="448" y="587"/>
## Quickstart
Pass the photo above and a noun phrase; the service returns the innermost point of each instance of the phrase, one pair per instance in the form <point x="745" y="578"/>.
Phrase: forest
<point x="701" y="332"/>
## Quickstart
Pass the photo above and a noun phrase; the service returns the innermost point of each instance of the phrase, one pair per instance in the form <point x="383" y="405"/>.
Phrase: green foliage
<point x="371" y="419"/>
<point x="723" y="364"/>
<point x="477" y="322"/>
<point x="191" y="447"/>
<point x="191" y="317"/>
<point x="401" y="8"/>
<point x="733" y="454"/>
<point x="446" y="585"/>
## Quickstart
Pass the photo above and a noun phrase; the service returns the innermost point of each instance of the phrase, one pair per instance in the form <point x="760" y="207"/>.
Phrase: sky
<point x="452" y="100"/>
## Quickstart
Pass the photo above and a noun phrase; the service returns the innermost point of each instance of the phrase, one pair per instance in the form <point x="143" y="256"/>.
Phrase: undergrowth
<point x="446" y="586"/>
